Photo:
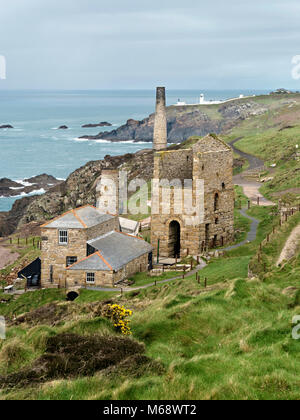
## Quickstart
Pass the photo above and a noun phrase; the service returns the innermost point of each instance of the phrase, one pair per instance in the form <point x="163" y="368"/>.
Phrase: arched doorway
<point x="174" y="239"/>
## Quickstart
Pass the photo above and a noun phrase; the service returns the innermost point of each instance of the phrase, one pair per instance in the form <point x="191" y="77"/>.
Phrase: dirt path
<point x="251" y="190"/>
<point x="291" y="245"/>
<point x="250" y="187"/>
<point x="6" y="257"/>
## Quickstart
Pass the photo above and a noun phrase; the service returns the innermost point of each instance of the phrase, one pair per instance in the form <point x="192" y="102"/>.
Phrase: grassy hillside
<point x="274" y="137"/>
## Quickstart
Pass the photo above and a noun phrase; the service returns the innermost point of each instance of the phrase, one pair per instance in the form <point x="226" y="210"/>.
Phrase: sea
<point x="35" y="145"/>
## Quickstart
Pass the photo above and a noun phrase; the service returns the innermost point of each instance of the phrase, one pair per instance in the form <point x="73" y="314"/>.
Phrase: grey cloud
<point x="133" y="44"/>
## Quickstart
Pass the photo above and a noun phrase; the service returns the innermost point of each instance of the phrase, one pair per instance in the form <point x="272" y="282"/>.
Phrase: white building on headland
<point x="202" y="101"/>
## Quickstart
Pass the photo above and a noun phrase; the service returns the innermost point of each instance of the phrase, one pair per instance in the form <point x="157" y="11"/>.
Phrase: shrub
<point x="118" y="314"/>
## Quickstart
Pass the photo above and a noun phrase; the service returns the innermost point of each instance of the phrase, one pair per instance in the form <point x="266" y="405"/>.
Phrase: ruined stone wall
<point x="215" y="169"/>
<point x="53" y="254"/>
<point x="108" y="191"/>
<point x="176" y="164"/>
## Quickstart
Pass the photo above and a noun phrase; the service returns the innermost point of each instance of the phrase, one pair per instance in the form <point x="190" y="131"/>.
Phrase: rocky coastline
<point x="10" y="188"/>
<point x="184" y="122"/>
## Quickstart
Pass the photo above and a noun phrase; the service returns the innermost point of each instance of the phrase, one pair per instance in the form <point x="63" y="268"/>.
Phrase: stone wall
<point x="140" y="264"/>
<point x="99" y="230"/>
<point x="78" y="278"/>
<point x="176" y="164"/>
<point x="53" y="254"/>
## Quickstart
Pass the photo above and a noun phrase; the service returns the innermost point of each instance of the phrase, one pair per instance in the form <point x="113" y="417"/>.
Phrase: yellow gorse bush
<point x="118" y="314"/>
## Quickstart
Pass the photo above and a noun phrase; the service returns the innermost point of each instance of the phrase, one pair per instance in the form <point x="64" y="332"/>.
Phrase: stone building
<point x="85" y="246"/>
<point x="208" y="164"/>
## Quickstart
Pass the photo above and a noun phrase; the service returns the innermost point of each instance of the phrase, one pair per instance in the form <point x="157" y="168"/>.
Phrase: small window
<point x="223" y="186"/>
<point x="216" y="202"/>
<point x="202" y="167"/>
<point x="217" y="221"/>
<point x="63" y="237"/>
<point x="71" y="261"/>
<point x="51" y="273"/>
<point x="90" y="277"/>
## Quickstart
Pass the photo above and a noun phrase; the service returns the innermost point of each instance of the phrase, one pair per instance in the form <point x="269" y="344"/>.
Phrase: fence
<point x="27" y="241"/>
<point x="259" y="263"/>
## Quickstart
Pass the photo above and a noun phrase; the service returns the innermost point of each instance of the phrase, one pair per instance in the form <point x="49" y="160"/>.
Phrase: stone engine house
<point x="207" y="160"/>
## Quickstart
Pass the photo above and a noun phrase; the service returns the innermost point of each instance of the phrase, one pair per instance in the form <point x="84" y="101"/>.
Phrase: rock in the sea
<point x="102" y="124"/>
<point x="6" y="126"/>
<point x="43" y="179"/>
<point x="63" y="127"/>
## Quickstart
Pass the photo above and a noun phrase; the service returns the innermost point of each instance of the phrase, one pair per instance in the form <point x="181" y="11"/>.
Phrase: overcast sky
<point x="97" y="44"/>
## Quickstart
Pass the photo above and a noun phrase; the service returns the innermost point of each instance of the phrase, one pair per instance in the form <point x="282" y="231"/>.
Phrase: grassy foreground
<point x="232" y="340"/>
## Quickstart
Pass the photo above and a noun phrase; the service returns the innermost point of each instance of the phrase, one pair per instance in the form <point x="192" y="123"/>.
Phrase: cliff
<point x="185" y="121"/>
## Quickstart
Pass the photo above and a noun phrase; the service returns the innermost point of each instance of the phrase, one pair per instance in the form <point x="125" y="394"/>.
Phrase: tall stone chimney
<point x="160" y="123"/>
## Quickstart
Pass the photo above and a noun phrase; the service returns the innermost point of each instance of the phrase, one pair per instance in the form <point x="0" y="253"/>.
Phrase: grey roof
<point x="94" y="263"/>
<point x="81" y="218"/>
<point x="116" y="249"/>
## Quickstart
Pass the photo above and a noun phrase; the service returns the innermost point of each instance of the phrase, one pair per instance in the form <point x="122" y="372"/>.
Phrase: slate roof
<point x="81" y="218"/>
<point x="114" y="251"/>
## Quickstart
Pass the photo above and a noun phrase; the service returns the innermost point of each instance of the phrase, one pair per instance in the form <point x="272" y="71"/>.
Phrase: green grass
<point x="232" y="343"/>
<point x="31" y="300"/>
<point x="141" y="279"/>
<point x="86" y="296"/>
<point x="271" y="250"/>
<point x="267" y="220"/>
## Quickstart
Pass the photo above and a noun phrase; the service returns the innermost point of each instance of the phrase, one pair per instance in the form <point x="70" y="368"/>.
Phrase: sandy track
<point x="291" y="245"/>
